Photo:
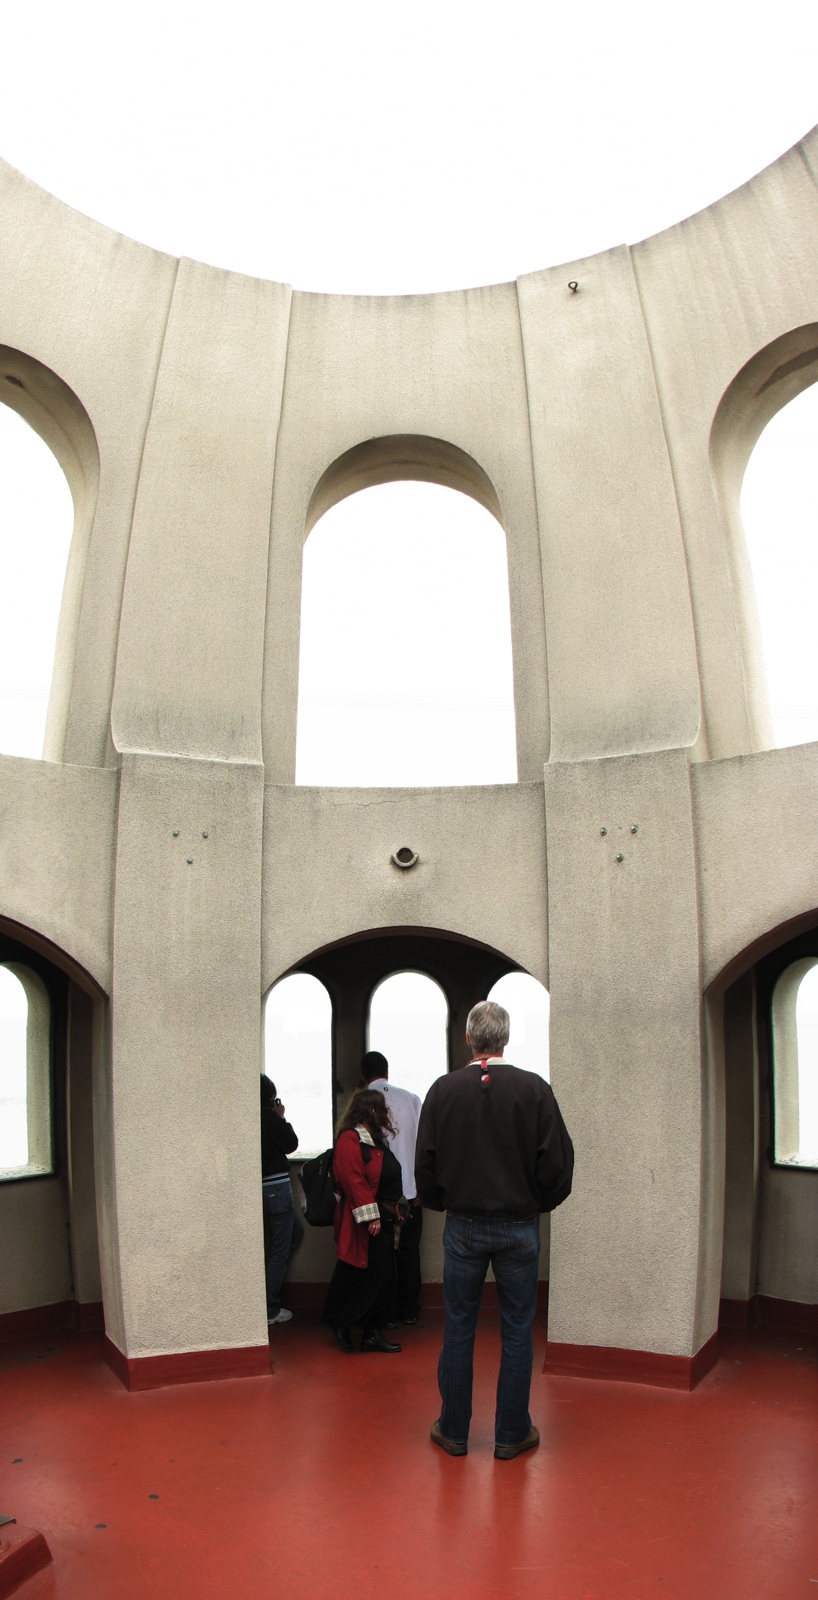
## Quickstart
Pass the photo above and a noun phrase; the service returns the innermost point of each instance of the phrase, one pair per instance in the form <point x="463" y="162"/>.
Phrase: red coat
<point x="358" y="1182"/>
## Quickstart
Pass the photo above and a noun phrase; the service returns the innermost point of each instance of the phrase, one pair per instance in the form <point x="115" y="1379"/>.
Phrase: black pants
<point x="364" y="1294"/>
<point x="406" y="1296"/>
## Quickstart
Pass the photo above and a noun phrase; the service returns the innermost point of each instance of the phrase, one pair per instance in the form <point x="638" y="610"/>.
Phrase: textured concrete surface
<point x="203" y="421"/>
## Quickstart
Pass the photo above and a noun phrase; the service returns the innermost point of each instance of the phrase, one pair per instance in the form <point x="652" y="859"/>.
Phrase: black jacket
<point x="278" y="1140"/>
<point x="500" y="1148"/>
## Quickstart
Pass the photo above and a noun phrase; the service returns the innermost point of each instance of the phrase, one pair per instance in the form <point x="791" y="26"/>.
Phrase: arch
<point x="408" y="1021"/>
<point x="401" y="457"/>
<point x="59" y="956"/>
<point x="27" y="1145"/>
<point x="528" y="1004"/>
<point x="54" y="411"/>
<point x="767" y="382"/>
<point x="409" y="683"/>
<point x="297" y="1055"/>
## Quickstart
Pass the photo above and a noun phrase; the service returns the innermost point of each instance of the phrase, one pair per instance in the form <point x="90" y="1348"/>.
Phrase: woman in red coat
<point x="368" y="1182"/>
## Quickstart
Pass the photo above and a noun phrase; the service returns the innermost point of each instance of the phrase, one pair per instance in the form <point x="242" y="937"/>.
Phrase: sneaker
<point x="281" y="1316"/>
<point x="452" y="1447"/>
<point x="507" y="1452"/>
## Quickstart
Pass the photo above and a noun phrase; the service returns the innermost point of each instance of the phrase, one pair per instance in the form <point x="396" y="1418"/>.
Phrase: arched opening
<point x="779" y="511"/>
<point x="794" y="1019"/>
<point x="528" y="1004"/>
<point x="764" y="1045"/>
<point x="26" y="1131"/>
<point x="762" y="457"/>
<point x="298" y="1057"/>
<point x="37" y="523"/>
<point x="409" y="1022"/>
<point x="49" y="472"/>
<point x="408" y="679"/>
<point x="48" y="1205"/>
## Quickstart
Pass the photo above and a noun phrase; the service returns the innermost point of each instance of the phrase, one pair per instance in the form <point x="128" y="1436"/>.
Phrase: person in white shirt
<point x="404" y="1110"/>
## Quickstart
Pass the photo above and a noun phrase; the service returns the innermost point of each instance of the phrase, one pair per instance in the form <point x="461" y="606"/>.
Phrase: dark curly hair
<point x="368" y="1107"/>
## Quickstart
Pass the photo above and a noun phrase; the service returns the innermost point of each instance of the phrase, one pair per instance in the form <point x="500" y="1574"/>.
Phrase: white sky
<point x="367" y="148"/>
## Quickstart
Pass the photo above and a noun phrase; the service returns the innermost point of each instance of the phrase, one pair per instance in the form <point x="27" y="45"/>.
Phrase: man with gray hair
<point x="493" y="1152"/>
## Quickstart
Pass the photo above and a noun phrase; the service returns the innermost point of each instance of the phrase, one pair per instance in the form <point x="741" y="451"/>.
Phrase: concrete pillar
<point x="742" y="1167"/>
<point x="627" y="1252"/>
<point x="183" y="1178"/>
<point x="81" y="1183"/>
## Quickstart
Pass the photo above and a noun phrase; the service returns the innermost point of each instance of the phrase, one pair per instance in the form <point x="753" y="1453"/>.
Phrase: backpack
<point x="319" y="1190"/>
<point x="318" y="1184"/>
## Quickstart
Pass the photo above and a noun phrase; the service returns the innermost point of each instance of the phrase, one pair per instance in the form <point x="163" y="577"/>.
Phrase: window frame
<point x="771" y="969"/>
<point x="40" y="1104"/>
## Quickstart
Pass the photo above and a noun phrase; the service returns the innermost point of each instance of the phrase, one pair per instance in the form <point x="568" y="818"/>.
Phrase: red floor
<point x="321" y="1483"/>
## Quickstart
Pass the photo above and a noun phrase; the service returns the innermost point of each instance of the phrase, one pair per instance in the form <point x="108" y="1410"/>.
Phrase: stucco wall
<point x="606" y="429"/>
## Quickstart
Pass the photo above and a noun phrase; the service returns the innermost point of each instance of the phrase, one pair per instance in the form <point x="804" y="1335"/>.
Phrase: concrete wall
<point x="204" y="420"/>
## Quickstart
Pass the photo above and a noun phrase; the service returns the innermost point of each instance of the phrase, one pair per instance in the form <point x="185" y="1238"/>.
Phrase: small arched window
<point x="298" y="1057"/>
<point x="795" y="1065"/>
<point x="36" y="525"/>
<point x="408" y="1023"/>
<point x="405" y="673"/>
<point x="26" y="1133"/>
<point x="528" y="1004"/>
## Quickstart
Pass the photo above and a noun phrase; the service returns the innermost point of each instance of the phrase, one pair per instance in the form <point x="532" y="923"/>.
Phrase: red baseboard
<point x="187" y="1366"/>
<point x="89" y="1317"/>
<point x="631" y="1366"/>
<point x="789" y="1316"/>
<point x="763" y="1311"/>
<point x="305" y="1296"/>
<point x="57" y="1318"/>
<point x="311" y="1296"/>
<point x="23" y="1551"/>
<point x="737" y="1313"/>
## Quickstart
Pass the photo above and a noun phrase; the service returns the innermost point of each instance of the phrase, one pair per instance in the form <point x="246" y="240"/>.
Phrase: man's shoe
<point x="408" y="1322"/>
<point x="281" y="1316"/>
<point x="375" y="1340"/>
<point x="451" y="1446"/>
<point x="343" y="1336"/>
<point x="507" y="1452"/>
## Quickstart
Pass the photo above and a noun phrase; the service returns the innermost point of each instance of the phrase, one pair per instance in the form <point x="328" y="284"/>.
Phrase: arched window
<point x="408" y="1023"/>
<point x="529" y="1007"/>
<point x="795" y="1065"/>
<point x="36" y="525"/>
<point x="26" y="1137"/>
<point x="779" y="510"/>
<point x="405" y="674"/>
<point x="298" y="1057"/>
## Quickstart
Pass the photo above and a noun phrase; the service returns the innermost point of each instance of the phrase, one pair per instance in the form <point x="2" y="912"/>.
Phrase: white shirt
<point x="404" y="1109"/>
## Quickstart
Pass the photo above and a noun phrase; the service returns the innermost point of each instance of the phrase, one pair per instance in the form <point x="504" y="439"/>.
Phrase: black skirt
<point x="364" y="1294"/>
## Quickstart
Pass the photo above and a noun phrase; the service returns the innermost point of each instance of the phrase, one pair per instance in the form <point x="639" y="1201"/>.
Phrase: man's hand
<point x="277" y="1106"/>
<point x="374" y="1227"/>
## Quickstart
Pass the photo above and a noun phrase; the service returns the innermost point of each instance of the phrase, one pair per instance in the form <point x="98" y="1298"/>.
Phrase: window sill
<point x="32" y="1170"/>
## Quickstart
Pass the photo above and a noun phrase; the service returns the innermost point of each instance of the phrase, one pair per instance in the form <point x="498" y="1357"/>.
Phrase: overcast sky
<point x="359" y="147"/>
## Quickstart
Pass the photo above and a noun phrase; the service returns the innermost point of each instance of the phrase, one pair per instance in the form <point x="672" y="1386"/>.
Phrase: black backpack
<point x="319" y="1190"/>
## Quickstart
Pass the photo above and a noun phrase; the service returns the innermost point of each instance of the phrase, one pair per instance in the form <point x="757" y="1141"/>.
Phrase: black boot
<point x="342" y="1334"/>
<point x="373" y="1339"/>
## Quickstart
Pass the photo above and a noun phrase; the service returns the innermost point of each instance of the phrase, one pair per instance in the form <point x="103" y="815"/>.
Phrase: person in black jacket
<point x="283" y="1228"/>
<point x="493" y="1152"/>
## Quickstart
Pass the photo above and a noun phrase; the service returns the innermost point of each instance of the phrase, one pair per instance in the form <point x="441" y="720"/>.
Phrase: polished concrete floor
<point x="321" y="1483"/>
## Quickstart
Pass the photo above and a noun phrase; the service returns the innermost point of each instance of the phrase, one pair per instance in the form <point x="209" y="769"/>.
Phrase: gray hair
<point x="488" y="1026"/>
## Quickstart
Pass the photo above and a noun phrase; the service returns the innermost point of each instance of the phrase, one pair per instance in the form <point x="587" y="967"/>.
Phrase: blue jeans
<point x="513" y="1248"/>
<point x="283" y="1232"/>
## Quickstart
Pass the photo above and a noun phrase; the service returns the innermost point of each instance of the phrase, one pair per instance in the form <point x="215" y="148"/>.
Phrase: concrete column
<point x="622" y="670"/>
<point x="183" y="1175"/>
<point x="742" y="1175"/>
<point x="630" y="1252"/>
<point x="81" y="1184"/>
